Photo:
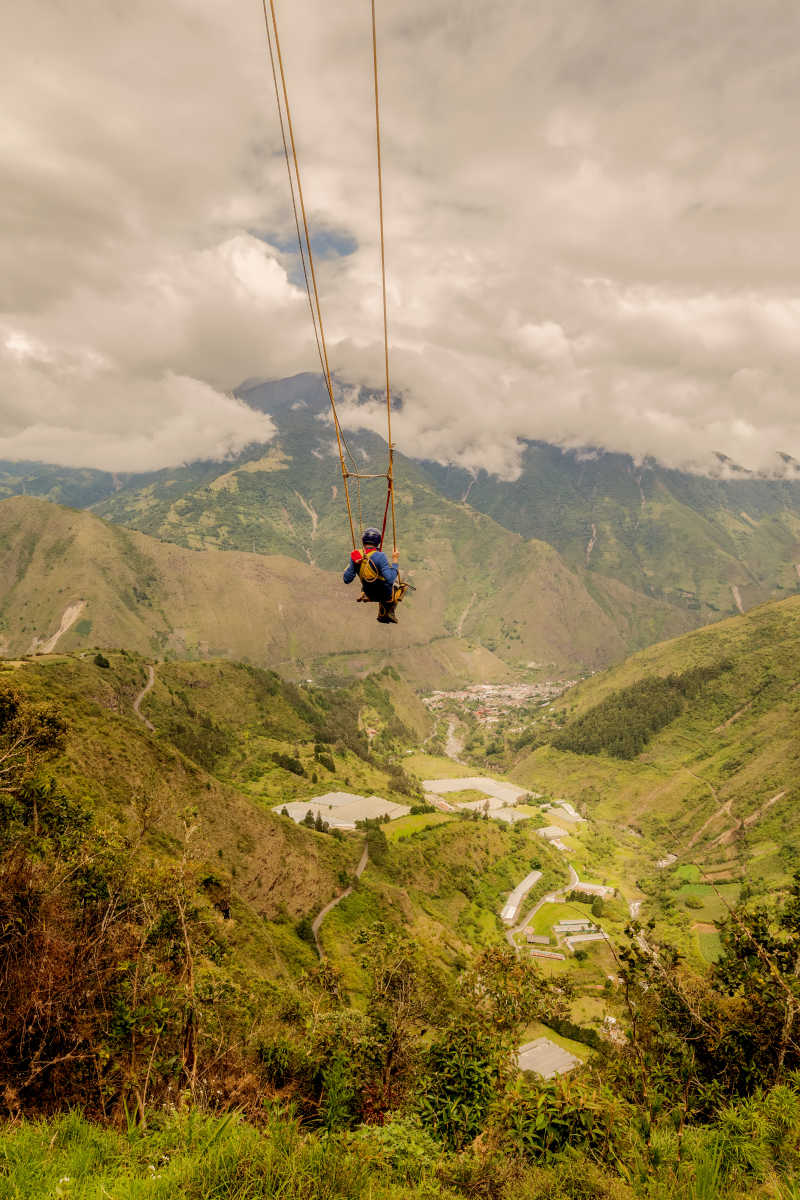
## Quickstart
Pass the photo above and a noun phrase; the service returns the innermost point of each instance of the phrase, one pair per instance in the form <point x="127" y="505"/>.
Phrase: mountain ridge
<point x="637" y="551"/>
<point x="102" y="584"/>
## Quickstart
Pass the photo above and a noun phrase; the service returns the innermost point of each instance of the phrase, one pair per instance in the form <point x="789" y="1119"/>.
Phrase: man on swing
<point x="379" y="577"/>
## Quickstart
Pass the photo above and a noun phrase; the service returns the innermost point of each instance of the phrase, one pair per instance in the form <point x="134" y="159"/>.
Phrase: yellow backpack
<point x="367" y="571"/>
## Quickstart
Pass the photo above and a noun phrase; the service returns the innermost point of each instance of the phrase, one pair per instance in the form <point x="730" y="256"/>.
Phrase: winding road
<point x="550" y="898"/>
<point x="151" y="678"/>
<point x="320" y="917"/>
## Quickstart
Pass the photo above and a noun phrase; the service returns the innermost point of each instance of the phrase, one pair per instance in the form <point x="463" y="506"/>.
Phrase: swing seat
<point x="398" y="592"/>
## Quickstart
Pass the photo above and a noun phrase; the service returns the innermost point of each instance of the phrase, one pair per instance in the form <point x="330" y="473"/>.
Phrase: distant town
<point x="489" y="703"/>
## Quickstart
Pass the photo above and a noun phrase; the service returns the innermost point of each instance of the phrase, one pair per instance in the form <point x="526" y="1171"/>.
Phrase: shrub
<point x="288" y="762"/>
<point x="462" y="1069"/>
<point x="304" y="931"/>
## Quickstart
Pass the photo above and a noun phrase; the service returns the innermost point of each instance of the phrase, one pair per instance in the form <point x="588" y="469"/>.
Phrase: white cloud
<point x="591" y="225"/>
<point x="80" y="410"/>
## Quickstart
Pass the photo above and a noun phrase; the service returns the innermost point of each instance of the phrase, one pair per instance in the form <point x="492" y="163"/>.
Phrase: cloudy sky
<point x="592" y="224"/>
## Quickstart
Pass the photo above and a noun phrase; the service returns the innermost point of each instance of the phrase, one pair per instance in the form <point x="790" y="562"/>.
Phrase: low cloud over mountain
<point x="590" y="221"/>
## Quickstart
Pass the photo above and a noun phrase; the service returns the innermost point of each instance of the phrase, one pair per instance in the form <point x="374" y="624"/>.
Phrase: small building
<point x="595" y="889"/>
<point x="571" y="811"/>
<point x="545" y="1058"/>
<point x="538" y="939"/>
<point x="343" y="809"/>
<point x="582" y="926"/>
<point x="576" y="939"/>
<point x="510" y="815"/>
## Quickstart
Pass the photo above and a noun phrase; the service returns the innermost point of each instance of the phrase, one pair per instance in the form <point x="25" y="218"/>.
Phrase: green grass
<point x="589" y="1008"/>
<point x="466" y="796"/>
<point x="431" y="766"/>
<point x="195" y="1157"/>
<point x="714" y="901"/>
<point x="404" y="827"/>
<point x="550" y="915"/>
<point x="709" y="944"/>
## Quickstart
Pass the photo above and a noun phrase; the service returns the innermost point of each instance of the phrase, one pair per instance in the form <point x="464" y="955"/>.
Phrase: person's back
<point x="377" y="574"/>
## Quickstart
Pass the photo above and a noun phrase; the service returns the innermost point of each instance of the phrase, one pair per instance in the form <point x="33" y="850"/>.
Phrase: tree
<point x="27" y="733"/>
<point x="406" y="992"/>
<point x="510" y="991"/>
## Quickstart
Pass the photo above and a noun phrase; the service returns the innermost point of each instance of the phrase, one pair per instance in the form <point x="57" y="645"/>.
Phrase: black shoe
<point x="387" y="620"/>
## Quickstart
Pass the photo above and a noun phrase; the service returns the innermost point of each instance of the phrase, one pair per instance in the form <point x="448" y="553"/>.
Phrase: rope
<point x="316" y="304"/>
<point x="390" y="471"/>
<point x="386" y="513"/>
<point x="291" y="184"/>
<point x="310" y="276"/>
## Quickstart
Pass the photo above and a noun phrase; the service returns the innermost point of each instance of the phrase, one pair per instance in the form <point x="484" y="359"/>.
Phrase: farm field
<point x="405" y="827"/>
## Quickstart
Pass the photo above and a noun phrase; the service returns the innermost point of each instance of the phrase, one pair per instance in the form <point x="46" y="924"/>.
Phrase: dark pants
<point x="380" y="590"/>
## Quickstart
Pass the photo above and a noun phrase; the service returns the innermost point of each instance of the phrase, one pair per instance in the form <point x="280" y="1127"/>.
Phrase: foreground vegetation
<point x="159" y="985"/>
<point x="751" y="1152"/>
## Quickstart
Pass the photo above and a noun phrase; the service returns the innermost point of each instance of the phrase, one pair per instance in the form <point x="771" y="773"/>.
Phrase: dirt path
<point x="723" y="810"/>
<point x="320" y="917"/>
<point x="591" y="544"/>
<point x="739" y="712"/>
<point x="727" y="834"/>
<point x="151" y="678"/>
<point x="309" y="507"/>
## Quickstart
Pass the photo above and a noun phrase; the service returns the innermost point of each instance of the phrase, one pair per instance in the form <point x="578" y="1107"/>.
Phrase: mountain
<point x="582" y="559"/>
<point x="70" y="580"/>
<point x="701" y="547"/>
<point x="705" y="794"/>
<point x="226" y="745"/>
<point x="710" y="545"/>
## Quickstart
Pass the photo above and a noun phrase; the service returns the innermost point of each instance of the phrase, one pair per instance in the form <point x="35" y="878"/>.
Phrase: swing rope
<point x="310" y="276"/>
<point x="390" y="471"/>
<point x="315" y="304"/>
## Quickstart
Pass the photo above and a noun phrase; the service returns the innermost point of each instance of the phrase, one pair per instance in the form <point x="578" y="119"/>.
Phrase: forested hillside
<point x="710" y="544"/>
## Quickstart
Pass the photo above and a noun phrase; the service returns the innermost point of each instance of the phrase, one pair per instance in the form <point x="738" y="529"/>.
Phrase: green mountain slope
<point x="655" y="551"/>
<point x="716" y="781"/>
<point x="101" y="584"/>
<point x="210" y="765"/>
<point x="104" y="585"/>
<point x="512" y="596"/>
<point x="710" y="545"/>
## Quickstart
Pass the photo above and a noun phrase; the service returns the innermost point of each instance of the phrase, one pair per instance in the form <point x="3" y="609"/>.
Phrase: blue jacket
<point x="381" y="589"/>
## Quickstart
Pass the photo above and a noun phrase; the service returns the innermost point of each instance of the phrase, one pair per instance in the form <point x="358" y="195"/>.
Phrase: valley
<point x="536" y="885"/>
<point x="316" y="867"/>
